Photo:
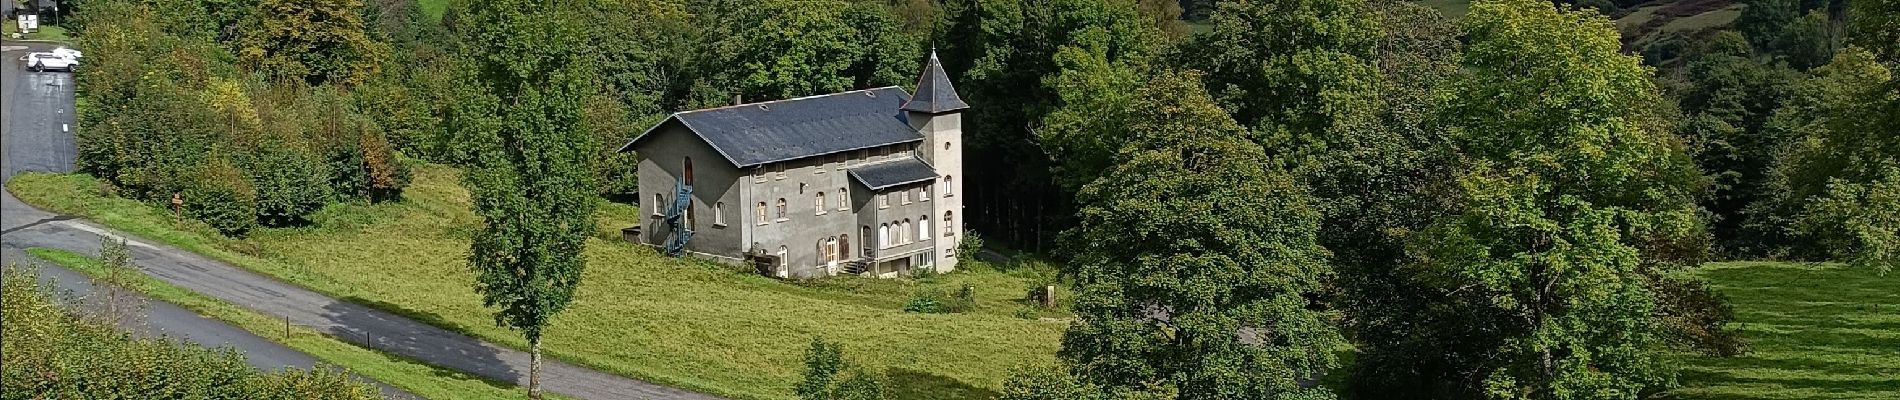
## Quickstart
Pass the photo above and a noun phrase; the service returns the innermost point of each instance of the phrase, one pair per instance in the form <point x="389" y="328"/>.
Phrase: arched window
<point x="782" y="259"/>
<point x="949" y="226"/>
<point x="821" y="204"/>
<point x="923" y="227"/>
<point x="844" y="199"/>
<point x="883" y="235"/>
<point x="904" y="233"/>
<point x="659" y="204"/>
<point x="760" y="213"/>
<point x="781" y="208"/>
<point x="687" y="164"/>
<point x="864" y="234"/>
<point x="719" y="214"/>
<point x="818" y="252"/>
<point x="949" y="187"/>
<point x="844" y="247"/>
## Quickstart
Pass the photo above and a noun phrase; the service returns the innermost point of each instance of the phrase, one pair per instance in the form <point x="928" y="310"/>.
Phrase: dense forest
<point x="1497" y="205"/>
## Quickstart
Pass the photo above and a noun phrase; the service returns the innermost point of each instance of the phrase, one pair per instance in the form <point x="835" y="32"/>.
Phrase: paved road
<point x="25" y="227"/>
<point x="36" y="116"/>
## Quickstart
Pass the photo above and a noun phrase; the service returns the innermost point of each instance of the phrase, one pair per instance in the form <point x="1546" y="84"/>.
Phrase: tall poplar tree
<point x="530" y="171"/>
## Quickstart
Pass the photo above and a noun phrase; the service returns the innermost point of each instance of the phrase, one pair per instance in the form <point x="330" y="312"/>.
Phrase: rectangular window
<point x="758" y="175"/>
<point x="778" y="171"/>
<point x="759" y="214"/>
<point x="923" y="193"/>
<point x="904" y="196"/>
<point x="658" y="200"/>
<point x="719" y="214"/>
<point x="883" y="200"/>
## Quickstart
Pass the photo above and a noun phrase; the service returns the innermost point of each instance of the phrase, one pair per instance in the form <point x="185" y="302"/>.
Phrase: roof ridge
<point x="815" y="96"/>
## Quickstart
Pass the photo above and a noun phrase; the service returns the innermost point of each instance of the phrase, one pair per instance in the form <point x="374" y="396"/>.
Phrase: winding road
<point x="37" y="123"/>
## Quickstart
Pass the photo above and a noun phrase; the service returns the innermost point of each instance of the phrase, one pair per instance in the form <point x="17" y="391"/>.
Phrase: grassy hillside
<point x="679" y="322"/>
<point x="1814" y="331"/>
<point x="1451" y="8"/>
<point x="1683" y="18"/>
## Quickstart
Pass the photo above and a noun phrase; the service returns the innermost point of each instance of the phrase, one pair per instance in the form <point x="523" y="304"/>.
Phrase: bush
<point x="824" y="362"/>
<point x="972" y="244"/>
<point x="220" y="195"/>
<point x="289" y="186"/>
<point x="52" y="353"/>
<point x="933" y="301"/>
<point x="928" y="301"/>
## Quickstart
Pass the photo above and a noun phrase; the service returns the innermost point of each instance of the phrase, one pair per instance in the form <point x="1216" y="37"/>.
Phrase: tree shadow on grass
<point x="913" y="384"/>
<point x="419" y="316"/>
<point x="1814" y="331"/>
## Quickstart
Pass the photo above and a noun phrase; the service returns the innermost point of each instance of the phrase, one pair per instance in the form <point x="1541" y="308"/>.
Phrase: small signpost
<point x="29" y="22"/>
<point x="178" y="207"/>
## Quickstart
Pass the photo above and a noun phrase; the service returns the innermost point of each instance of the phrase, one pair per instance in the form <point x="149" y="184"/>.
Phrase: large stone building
<point x="865" y="181"/>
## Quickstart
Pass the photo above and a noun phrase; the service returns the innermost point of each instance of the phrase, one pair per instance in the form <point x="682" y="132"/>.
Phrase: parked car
<point x="43" y="61"/>
<point x="62" y="51"/>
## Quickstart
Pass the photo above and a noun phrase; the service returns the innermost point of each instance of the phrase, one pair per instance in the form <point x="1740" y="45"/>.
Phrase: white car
<point x="62" y="51"/>
<point x="43" y="61"/>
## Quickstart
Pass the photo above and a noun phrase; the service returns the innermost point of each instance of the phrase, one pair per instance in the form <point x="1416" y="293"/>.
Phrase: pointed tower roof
<point x="934" y="93"/>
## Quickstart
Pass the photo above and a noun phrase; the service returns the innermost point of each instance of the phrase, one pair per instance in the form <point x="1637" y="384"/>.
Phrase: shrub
<point x="934" y="301"/>
<point x="824" y="362"/>
<point x="928" y="301"/>
<point x="972" y="244"/>
<point x="220" y="195"/>
<point x="289" y="186"/>
<point x="362" y="163"/>
<point x="52" y="353"/>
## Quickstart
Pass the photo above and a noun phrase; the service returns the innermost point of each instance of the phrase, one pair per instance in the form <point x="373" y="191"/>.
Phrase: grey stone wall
<point x="716" y="194"/>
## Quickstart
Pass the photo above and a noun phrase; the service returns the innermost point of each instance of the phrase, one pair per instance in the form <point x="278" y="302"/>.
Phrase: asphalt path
<point x="36" y="118"/>
<point x="36" y="106"/>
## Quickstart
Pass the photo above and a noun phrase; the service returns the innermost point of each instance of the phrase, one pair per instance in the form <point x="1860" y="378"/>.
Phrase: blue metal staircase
<point x="676" y="219"/>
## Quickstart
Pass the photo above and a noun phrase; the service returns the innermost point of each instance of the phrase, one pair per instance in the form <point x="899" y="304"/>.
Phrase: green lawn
<point x="1455" y="9"/>
<point x="433" y="8"/>
<point x="1814" y="331"/>
<point x="45" y="32"/>
<point x="679" y="322"/>
<point x="421" y="379"/>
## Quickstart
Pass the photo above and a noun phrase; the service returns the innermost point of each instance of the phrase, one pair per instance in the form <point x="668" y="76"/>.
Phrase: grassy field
<point x="1455" y="9"/>
<point x="421" y="379"/>
<point x="433" y="8"/>
<point x="1814" y="331"/>
<point x="45" y="32"/>
<point x="680" y="322"/>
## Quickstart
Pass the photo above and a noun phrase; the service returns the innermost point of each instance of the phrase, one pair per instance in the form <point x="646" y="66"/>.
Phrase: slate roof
<point x="892" y="173"/>
<point x="761" y="133"/>
<point x="935" y="95"/>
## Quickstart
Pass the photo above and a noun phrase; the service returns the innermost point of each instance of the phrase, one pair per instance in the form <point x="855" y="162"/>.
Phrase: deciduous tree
<point x="530" y="172"/>
<point x="1196" y="257"/>
<point x="1574" y="202"/>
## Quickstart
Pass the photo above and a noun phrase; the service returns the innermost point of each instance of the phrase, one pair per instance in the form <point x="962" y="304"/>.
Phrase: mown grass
<point x="420" y="379"/>
<point x="679" y="322"/>
<point x="1814" y="331"/>
<point x="45" y="32"/>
